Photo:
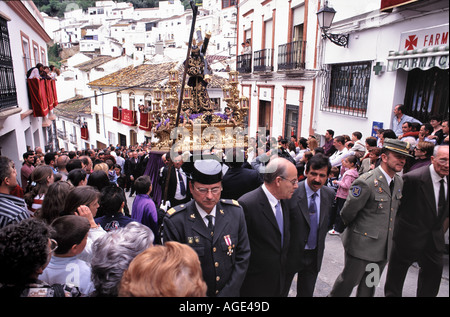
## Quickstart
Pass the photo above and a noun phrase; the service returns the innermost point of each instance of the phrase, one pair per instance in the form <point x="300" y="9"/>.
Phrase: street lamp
<point x="325" y="17"/>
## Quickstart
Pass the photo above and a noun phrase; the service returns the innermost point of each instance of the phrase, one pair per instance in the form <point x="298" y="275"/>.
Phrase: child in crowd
<point x="70" y="233"/>
<point x="332" y="183"/>
<point x="351" y="173"/>
<point x="112" y="202"/>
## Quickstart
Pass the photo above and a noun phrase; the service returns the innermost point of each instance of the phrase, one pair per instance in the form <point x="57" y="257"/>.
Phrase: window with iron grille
<point x="347" y="89"/>
<point x="8" y="95"/>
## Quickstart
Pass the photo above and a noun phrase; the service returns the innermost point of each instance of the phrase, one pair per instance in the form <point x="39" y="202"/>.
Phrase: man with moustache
<point x="267" y="219"/>
<point x="214" y="228"/>
<point x="422" y="220"/>
<point x="309" y="210"/>
<point x="369" y="214"/>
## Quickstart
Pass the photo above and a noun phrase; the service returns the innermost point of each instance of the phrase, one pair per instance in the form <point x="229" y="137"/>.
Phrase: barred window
<point x="8" y="95"/>
<point x="347" y="89"/>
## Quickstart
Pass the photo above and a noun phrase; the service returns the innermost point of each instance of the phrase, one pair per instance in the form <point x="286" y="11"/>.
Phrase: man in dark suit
<point x="419" y="227"/>
<point x="130" y="169"/>
<point x="214" y="228"/>
<point x="238" y="180"/>
<point x="178" y="190"/>
<point x="267" y="219"/>
<point x="309" y="210"/>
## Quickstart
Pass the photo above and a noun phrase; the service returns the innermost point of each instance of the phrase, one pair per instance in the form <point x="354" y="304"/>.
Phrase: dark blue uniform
<point x="224" y="255"/>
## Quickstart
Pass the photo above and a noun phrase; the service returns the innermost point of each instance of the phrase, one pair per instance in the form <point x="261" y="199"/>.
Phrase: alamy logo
<point x="373" y="278"/>
<point x="73" y="278"/>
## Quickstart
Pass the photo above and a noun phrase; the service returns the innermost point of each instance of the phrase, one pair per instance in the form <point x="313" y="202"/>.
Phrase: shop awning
<point x="423" y="59"/>
<point x="390" y="4"/>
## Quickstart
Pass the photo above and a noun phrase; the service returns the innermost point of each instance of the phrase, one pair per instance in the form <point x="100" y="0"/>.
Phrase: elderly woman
<point x="171" y="270"/>
<point x="114" y="252"/>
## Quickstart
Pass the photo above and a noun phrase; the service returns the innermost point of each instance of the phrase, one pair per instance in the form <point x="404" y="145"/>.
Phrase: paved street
<point x="333" y="262"/>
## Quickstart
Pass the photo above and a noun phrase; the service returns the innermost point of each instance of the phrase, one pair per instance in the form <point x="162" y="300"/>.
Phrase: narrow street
<point x="333" y="263"/>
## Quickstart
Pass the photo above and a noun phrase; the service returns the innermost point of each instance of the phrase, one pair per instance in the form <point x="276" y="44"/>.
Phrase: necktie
<point x="441" y="201"/>
<point x="312" y="237"/>
<point x="210" y="223"/>
<point x="279" y="217"/>
<point x="182" y="188"/>
<point x="391" y="186"/>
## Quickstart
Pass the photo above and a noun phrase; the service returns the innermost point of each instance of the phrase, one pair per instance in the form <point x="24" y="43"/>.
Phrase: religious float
<point x="187" y="121"/>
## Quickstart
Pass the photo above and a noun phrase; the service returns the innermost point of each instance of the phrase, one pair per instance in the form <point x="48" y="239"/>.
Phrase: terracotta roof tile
<point x="147" y="76"/>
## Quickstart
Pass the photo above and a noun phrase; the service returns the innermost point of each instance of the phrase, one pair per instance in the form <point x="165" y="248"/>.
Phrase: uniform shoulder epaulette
<point x="367" y="175"/>
<point x="230" y="202"/>
<point x="175" y="209"/>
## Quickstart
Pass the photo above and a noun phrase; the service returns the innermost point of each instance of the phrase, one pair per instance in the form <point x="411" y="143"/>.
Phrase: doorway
<point x="291" y="121"/>
<point x="427" y="93"/>
<point x="265" y="109"/>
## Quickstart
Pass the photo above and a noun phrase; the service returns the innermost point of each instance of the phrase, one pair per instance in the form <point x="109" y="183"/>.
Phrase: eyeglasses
<point x="204" y="191"/>
<point x="418" y="149"/>
<point x="293" y="182"/>
<point x="53" y="245"/>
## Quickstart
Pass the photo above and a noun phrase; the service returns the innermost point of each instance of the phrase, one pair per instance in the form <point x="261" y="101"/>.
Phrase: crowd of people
<point x="232" y="228"/>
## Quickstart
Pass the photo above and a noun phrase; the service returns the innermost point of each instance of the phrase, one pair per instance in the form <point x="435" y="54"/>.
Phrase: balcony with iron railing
<point x="263" y="60"/>
<point x="73" y="139"/>
<point x="61" y="134"/>
<point x="291" y="56"/>
<point x="244" y="63"/>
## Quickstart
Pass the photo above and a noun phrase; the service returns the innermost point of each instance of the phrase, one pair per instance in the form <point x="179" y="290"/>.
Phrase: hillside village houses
<point x="297" y="80"/>
<point x="113" y="36"/>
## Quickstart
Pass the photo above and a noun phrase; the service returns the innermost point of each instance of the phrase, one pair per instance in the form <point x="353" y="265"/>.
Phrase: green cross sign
<point x="378" y="68"/>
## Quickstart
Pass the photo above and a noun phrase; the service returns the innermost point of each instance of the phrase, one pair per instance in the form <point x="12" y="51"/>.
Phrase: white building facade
<point x="300" y="83"/>
<point x="394" y="56"/>
<point x="24" y="44"/>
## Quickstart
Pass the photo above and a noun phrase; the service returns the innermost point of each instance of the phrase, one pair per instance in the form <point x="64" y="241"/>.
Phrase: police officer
<point x="215" y="228"/>
<point x="369" y="213"/>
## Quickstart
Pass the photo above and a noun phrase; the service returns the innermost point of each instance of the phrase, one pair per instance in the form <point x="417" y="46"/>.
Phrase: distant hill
<point x="56" y="8"/>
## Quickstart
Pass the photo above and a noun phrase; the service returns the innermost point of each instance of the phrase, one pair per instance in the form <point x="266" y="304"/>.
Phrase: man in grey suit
<point x="369" y="214"/>
<point x="309" y="210"/>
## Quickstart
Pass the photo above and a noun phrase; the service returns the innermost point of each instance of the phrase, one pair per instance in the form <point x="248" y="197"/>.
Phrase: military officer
<point x="369" y="213"/>
<point x="215" y="228"/>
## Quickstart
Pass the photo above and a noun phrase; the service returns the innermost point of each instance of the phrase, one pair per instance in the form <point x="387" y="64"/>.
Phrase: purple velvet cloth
<point x="153" y="167"/>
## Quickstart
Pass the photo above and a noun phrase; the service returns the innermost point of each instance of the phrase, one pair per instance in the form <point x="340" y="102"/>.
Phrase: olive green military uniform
<point x="369" y="213"/>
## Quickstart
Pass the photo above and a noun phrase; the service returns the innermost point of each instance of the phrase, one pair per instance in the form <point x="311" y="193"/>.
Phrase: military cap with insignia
<point x="397" y="146"/>
<point x="206" y="171"/>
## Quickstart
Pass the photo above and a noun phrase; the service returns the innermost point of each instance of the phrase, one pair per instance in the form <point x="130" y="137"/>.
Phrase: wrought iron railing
<point x="346" y="89"/>
<point x="291" y="55"/>
<point x="244" y="63"/>
<point x="263" y="60"/>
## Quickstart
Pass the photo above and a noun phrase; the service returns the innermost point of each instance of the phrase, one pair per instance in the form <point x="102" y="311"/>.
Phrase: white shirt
<point x="203" y="214"/>
<point x="272" y="200"/>
<point x="388" y="178"/>
<point x="178" y="195"/>
<point x="337" y="157"/>
<point x="435" y="179"/>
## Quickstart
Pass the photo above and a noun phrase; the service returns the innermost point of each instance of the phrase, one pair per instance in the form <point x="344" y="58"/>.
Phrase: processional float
<point x="187" y="121"/>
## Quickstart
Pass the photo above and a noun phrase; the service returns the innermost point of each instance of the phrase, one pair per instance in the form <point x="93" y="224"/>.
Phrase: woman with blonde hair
<point x="312" y="145"/>
<point x="41" y="178"/>
<point x="169" y="270"/>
